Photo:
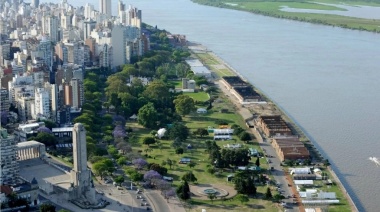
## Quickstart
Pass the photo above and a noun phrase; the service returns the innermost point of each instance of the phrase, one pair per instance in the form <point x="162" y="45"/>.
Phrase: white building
<point x="105" y="7"/>
<point x="88" y="10"/>
<point x="41" y="104"/>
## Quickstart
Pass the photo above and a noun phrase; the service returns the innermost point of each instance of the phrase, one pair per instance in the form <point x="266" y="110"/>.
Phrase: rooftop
<point x="247" y="92"/>
<point x="234" y="81"/>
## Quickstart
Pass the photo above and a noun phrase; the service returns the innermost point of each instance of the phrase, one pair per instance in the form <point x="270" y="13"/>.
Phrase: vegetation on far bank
<point x="272" y="8"/>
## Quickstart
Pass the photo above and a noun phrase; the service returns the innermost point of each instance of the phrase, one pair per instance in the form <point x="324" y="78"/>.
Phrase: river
<point x="325" y="78"/>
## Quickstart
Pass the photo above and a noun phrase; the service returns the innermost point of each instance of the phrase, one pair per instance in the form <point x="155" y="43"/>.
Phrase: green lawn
<point x="199" y="96"/>
<point x="212" y="63"/>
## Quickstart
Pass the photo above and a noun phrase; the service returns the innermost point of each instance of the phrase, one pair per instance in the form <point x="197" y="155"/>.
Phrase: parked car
<point x="167" y="178"/>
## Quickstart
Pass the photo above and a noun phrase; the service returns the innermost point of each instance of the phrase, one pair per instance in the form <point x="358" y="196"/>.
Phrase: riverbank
<point x="275" y="9"/>
<point x="215" y="64"/>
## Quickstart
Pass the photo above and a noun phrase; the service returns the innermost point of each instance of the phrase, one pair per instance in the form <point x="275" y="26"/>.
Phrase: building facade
<point x="9" y="165"/>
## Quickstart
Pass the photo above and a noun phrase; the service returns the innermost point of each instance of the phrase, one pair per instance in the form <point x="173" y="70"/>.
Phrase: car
<point x="167" y="178"/>
<point x="138" y="191"/>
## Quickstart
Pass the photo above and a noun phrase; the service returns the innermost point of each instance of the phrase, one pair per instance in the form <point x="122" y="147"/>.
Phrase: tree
<point x="107" y="138"/>
<point x="139" y="163"/>
<point x="50" y="124"/>
<point x="119" y="179"/>
<point x="201" y="132"/>
<point x="44" y="130"/>
<point x="211" y="196"/>
<point x="189" y="176"/>
<point x="124" y="147"/>
<point x="244" y="183"/>
<point x="136" y="176"/>
<point x="179" y="151"/>
<point x="121" y="161"/>
<point x="170" y="163"/>
<point x="147" y="116"/>
<point x="158" y="92"/>
<point x="149" y="140"/>
<point x="257" y="162"/>
<point x="184" y="104"/>
<point x="100" y="168"/>
<point x="112" y="151"/>
<point x="242" y="198"/>
<point x="191" y="164"/>
<point x="268" y="194"/>
<point x="168" y="194"/>
<point x="179" y="130"/>
<point x="278" y="197"/>
<point x="46" y="138"/>
<point x="156" y="167"/>
<point x="244" y="136"/>
<point x="151" y="176"/>
<point x="46" y="207"/>
<point x="183" y="191"/>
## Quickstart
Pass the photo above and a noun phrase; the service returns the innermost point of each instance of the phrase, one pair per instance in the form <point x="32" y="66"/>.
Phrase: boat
<point x="375" y="160"/>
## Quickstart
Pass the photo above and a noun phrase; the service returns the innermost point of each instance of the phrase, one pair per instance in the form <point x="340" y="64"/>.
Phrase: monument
<point x="82" y="190"/>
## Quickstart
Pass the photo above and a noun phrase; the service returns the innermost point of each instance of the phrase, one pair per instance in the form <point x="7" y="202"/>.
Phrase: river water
<point x="325" y="78"/>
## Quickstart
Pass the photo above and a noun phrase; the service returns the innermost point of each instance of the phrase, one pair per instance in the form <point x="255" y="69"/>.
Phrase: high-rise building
<point x="45" y="51"/>
<point x="61" y="53"/>
<point x="134" y="17"/>
<point x="35" y="3"/>
<point x="119" y="45"/>
<point x="65" y="21"/>
<point x="5" y="51"/>
<point x="88" y="9"/>
<point x="4" y="100"/>
<point x="106" y="7"/>
<point x="41" y="104"/>
<point x="88" y="26"/>
<point x="91" y="43"/>
<point x="105" y="56"/>
<point x="9" y="165"/>
<point x="77" y="92"/>
<point x="50" y="25"/>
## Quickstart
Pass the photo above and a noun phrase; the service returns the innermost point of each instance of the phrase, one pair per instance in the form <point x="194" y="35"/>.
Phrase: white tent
<point x="133" y="117"/>
<point x="305" y="170"/>
<point x="161" y="132"/>
<point x="326" y="195"/>
<point x="303" y="182"/>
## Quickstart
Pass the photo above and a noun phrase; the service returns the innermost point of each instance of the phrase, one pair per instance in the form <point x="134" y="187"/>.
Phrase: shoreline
<point x="298" y="129"/>
<point x="293" y="17"/>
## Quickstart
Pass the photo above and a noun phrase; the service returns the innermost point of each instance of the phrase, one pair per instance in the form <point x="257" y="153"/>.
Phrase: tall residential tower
<point x="105" y="7"/>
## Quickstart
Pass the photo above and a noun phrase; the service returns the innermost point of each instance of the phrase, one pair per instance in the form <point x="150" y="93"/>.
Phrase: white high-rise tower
<point x="105" y="7"/>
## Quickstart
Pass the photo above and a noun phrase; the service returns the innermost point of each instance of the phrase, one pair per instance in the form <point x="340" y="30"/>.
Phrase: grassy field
<point x="199" y="96"/>
<point x="272" y="8"/>
<point x="213" y="64"/>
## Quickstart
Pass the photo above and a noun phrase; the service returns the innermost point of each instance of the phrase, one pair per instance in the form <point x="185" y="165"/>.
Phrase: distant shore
<point x="272" y="9"/>
<point x="199" y="49"/>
